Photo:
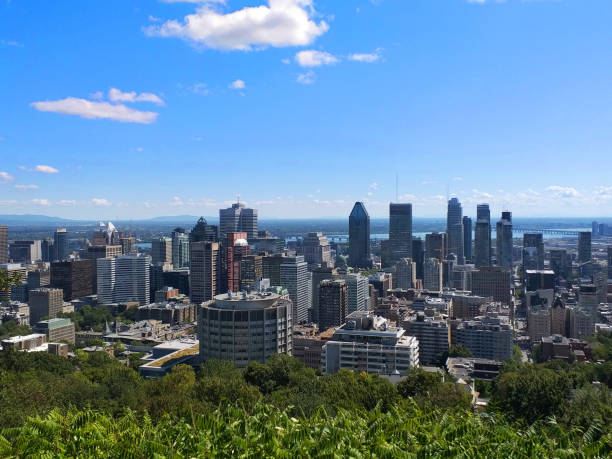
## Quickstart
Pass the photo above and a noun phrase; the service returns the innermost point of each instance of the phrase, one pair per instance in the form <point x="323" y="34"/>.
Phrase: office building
<point x="294" y="277"/>
<point x="202" y="231"/>
<point x="432" y="275"/>
<point x="482" y="236"/>
<point x="538" y="322"/>
<point x="235" y="249"/>
<point x="333" y="303"/>
<point x="584" y="246"/>
<point x="76" y="278"/>
<point x="533" y="251"/>
<point x="3" y="244"/>
<point x="245" y="328"/>
<point x="504" y="240"/>
<point x="128" y="245"/>
<point x="559" y="263"/>
<point x="316" y="250"/>
<point x="486" y="337"/>
<point x="104" y="251"/>
<point x="454" y="229"/>
<point x="418" y="256"/>
<point x="308" y="343"/>
<point x="432" y="335"/>
<point x="161" y="251"/>
<point x="581" y="323"/>
<point x="493" y="281"/>
<point x="60" y="245"/>
<point x="318" y="275"/>
<point x="539" y="280"/>
<point x="558" y="318"/>
<point x="124" y="278"/>
<point x="45" y="302"/>
<point x="180" y="248"/>
<point x="461" y="277"/>
<point x="467" y="239"/>
<point x="251" y="270"/>
<point x="359" y="237"/>
<point x="368" y="343"/>
<point x="435" y="246"/>
<point x="56" y="330"/>
<point x="609" y="262"/>
<point x="400" y="231"/>
<point x="46" y="250"/>
<point x="271" y="268"/>
<point x="236" y="219"/>
<point x="466" y="306"/>
<point x="27" y="252"/>
<point x="404" y="274"/>
<point x="204" y="267"/>
<point x="175" y="278"/>
<point x="358" y="292"/>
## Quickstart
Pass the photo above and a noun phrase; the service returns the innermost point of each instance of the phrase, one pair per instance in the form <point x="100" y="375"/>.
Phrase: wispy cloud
<point x="6" y="177"/>
<point x="26" y="187"/>
<point x="314" y="58"/>
<point x="95" y="110"/>
<point x="100" y="202"/>
<point x="368" y="58"/>
<point x="237" y="84"/>
<point x="306" y="78"/>
<point x="116" y="95"/>
<point x="45" y="169"/>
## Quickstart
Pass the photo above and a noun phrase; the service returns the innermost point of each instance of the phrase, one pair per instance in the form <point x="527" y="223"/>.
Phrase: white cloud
<point x="153" y="18"/>
<point x="66" y="202"/>
<point x="306" y="78"/>
<point x="26" y="187"/>
<point x="563" y="191"/>
<point x="374" y="186"/>
<point x="41" y="202"/>
<point x="279" y="23"/>
<point x="45" y="169"/>
<point x="176" y="202"/>
<point x="98" y="95"/>
<point x="6" y="177"/>
<point x="366" y="57"/>
<point x="286" y="61"/>
<point x="95" y="110"/>
<point x="237" y="84"/>
<point x="200" y="88"/>
<point x="100" y="202"/>
<point x="314" y="58"/>
<point x="116" y="95"/>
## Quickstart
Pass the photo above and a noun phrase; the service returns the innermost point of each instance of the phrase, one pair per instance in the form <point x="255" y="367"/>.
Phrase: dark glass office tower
<point x="359" y="237"/>
<point x="400" y="231"/>
<point x="584" y="247"/>
<point x="482" y="236"/>
<point x="467" y="239"/>
<point x="454" y="229"/>
<point x="203" y="232"/>
<point x="504" y="239"/>
<point x="418" y="256"/>
<point x="533" y="251"/>
<point x="60" y="244"/>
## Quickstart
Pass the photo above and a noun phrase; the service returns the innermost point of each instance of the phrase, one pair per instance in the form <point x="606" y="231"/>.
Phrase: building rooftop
<point x="21" y="338"/>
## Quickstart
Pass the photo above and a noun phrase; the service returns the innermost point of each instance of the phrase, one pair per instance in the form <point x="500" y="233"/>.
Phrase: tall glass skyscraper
<point x="504" y="239"/>
<point x="400" y="231"/>
<point x="238" y="218"/>
<point x="482" y="236"/>
<point x="359" y="237"/>
<point x="467" y="239"/>
<point x="454" y="229"/>
<point x="60" y="244"/>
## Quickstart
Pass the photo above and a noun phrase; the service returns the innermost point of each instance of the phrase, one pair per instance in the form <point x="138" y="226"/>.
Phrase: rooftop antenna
<point x="396" y="187"/>
<point x="238" y="199"/>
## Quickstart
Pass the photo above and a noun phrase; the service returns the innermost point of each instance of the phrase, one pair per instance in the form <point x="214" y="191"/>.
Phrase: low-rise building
<point x="432" y="335"/>
<point x="308" y="344"/>
<point x="560" y="347"/>
<point x="486" y="337"/>
<point x="56" y="330"/>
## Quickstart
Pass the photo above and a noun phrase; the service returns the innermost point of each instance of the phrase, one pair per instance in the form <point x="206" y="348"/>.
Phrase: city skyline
<point x="137" y="120"/>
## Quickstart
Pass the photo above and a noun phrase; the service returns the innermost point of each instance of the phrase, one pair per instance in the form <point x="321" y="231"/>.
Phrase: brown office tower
<point x="76" y="278"/>
<point x="3" y="244"/>
<point x="204" y="267"/>
<point x="435" y="246"/>
<point x="494" y="281"/>
<point x="333" y="303"/>
<point x="45" y="302"/>
<point x="236" y="248"/>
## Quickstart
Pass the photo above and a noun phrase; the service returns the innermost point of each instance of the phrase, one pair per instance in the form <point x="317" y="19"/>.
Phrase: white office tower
<point x="358" y="292"/>
<point x="432" y="273"/>
<point x="245" y="327"/>
<point x="295" y="278"/>
<point x="368" y="343"/>
<point x="404" y="274"/>
<point x="124" y="278"/>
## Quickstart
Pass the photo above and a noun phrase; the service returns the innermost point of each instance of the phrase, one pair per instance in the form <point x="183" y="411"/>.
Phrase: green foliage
<point x="270" y="432"/>
<point x="8" y="279"/>
<point x="89" y="317"/>
<point x="429" y="389"/>
<point x="12" y="328"/>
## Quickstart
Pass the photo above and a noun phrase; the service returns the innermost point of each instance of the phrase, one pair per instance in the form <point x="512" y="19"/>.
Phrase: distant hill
<point x="32" y="219"/>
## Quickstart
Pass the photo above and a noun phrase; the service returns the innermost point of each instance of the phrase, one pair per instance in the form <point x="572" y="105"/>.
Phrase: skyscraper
<point x="432" y="280"/>
<point x="3" y="244"/>
<point x="404" y="274"/>
<point x="358" y="292"/>
<point x="295" y="278"/>
<point x="435" y="246"/>
<point x="238" y="218"/>
<point x="609" y="262"/>
<point x="76" y="278"/>
<point x="482" y="236"/>
<point x="359" y="237"/>
<point x="45" y="302"/>
<point x="454" y="229"/>
<point x="467" y="239"/>
<point x="235" y="248"/>
<point x="533" y="251"/>
<point x="333" y="303"/>
<point x="400" y="231"/>
<point x="161" y="251"/>
<point x="584" y="247"/>
<point x="418" y="256"/>
<point x="504" y="239"/>
<point x="316" y="249"/>
<point x="60" y="244"/>
<point x="180" y="248"/>
<point x="124" y="278"/>
<point x="202" y="231"/>
<point x="203" y="271"/>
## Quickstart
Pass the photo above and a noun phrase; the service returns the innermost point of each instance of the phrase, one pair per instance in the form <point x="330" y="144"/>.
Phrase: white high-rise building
<point x="404" y="274"/>
<point x="358" y="292"/>
<point x="295" y="278"/>
<point x="432" y="273"/>
<point x="124" y="278"/>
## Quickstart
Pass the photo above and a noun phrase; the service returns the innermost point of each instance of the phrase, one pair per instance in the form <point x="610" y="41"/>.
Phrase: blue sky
<point x="129" y="109"/>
